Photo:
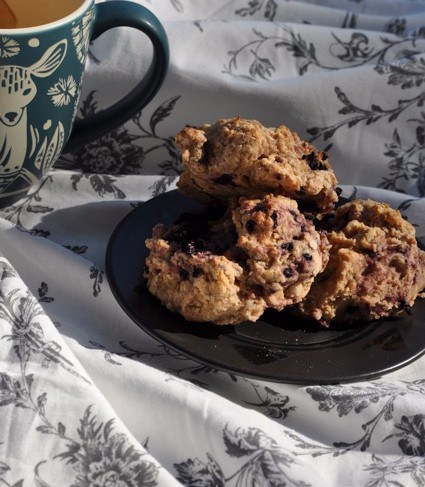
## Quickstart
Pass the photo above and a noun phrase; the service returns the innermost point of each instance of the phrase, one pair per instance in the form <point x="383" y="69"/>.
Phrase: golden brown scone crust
<point x="238" y="157"/>
<point x="200" y="289"/>
<point x="375" y="267"/>
<point x="262" y="253"/>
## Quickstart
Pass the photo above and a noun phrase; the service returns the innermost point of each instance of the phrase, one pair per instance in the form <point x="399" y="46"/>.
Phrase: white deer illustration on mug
<point x="17" y="90"/>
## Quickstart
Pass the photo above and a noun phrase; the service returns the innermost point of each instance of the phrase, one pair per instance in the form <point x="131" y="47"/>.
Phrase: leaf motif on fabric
<point x="12" y="391"/>
<point x="417" y="386"/>
<point x="37" y="232"/>
<point x="75" y="179"/>
<point x="109" y="359"/>
<point x="77" y="249"/>
<point x="161" y="185"/>
<point x="96" y="273"/>
<point x="42" y="294"/>
<point x="255" y="6"/>
<point x="270" y="11"/>
<point x="195" y="472"/>
<point x="242" y="442"/>
<point x="6" y="270"/>
<point x="39" y="482"/>
<point x="41" y="402"/>
<point x="89" y="104"/>
<point x="396" y="26"/>
<point x="178" y="5"/>
<point x="350" y="21"/>
<point x="61" y="429"/>
<point x="261" y="67"/>
<point x="104" y="184"/>
<point x="39" y="209"/>
<point x="46" y="429"/>
<point x="350" y="398"/>
<point x="273" y="403"/>
<point x="4" y="468"/>
<point x="406" y="69"/>
<point x="162" y="112"/>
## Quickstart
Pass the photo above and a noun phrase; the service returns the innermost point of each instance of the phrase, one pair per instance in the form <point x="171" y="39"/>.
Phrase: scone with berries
<point x="262" y="253"/>
<point x="375" y="267"/>
<point x="238" y="157"/>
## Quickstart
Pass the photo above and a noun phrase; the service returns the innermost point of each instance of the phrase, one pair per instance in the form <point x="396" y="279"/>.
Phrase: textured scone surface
<point x="374" y="267"/>
<point x="201" y="288"/>
<point x="284" y="252"/>
<point x="242" y="157"/>
<point x="188" y="271"/>
<point x="262" y="253"/>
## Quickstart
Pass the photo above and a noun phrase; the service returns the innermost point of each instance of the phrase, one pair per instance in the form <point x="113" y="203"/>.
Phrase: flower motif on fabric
<point x="8" y="47"/>
<point x="81" y="35"/>
<point x="104" y="458"/>
<point x="402" y="471"/>
<point x="121" y="151"/>
<point x="265" y="463"/>
<point x="21" y="322"/>
<point x="63" y="91"/>
<point x="111" y="153"/>
<point x="21" y="310"/>
<point x="406" y="69"/>
<point x="412" y="434"/>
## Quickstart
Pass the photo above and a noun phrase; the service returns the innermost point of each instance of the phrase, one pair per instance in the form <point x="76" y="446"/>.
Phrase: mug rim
<point x="51" y="25"/>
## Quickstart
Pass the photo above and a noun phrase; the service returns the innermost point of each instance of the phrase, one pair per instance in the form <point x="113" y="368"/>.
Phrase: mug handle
<point x="121" y="13"/>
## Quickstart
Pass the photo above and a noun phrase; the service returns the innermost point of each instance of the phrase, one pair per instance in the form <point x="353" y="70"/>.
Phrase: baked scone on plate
<point x="261" y="253"/>
<point x="283" y="251"/>
<point x="375" y="267"/>
<point x="239" y="157"/>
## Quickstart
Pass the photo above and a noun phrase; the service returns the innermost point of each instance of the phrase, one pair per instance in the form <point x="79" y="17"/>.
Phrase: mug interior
<point x="85" y="4"/>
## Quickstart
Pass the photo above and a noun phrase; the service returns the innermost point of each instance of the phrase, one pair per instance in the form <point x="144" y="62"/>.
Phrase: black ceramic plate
<point x="278" y="347"/>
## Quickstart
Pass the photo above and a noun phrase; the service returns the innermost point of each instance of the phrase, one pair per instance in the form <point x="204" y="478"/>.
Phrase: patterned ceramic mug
<point x="41" y="71"/>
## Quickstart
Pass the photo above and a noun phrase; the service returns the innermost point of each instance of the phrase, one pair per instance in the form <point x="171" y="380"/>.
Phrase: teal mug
<point x="41" y="73"/>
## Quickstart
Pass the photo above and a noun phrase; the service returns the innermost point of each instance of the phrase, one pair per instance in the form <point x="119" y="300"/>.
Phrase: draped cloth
<point x="87" y="398"/>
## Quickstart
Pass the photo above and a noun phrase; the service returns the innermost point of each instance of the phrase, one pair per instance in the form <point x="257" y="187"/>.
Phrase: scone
<point x="243" y="158"/>
<point x="261" y="253"/>
<point x="283" y="250"/>
<point x="188" y="271"/>
<point x="374" y="270"/>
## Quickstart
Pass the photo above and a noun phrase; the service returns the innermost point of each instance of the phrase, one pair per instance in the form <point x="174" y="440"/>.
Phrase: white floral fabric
<point x="89" y="399"/>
